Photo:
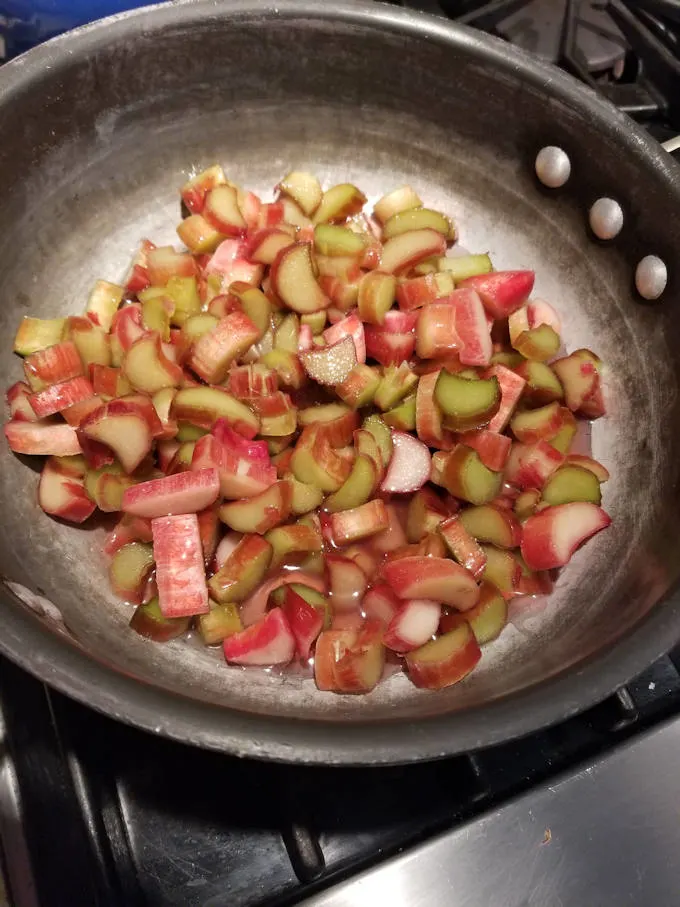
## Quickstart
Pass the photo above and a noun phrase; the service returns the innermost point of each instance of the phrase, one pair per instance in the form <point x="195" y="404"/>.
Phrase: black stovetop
<point x="110" y="816"/>
<point x="98" y="814"/>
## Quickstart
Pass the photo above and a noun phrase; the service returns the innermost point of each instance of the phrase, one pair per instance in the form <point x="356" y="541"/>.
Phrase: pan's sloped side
<point x="103" y="125"/>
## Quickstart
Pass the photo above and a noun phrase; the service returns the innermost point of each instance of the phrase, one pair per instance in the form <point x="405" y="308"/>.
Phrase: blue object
<point x="28" y="22"/>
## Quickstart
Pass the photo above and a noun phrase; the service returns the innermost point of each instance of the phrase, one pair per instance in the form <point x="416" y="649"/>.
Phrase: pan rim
<point x="61" y="663"/>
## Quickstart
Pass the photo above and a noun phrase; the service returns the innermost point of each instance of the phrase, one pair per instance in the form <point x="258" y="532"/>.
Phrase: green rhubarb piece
<point x="403" y="417"/>
<point x="467" y="403"/>
<point x="383" y="436"/>
<point x="396" y="383"/>
<point x="572" y="483"/>
<point x="462" y="266"/>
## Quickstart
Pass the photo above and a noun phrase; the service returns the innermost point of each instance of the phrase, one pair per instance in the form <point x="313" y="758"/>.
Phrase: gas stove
<point x="93" y="812"/>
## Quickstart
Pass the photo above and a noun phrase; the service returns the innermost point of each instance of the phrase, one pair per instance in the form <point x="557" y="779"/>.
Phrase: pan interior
<point x="94" y="152"/>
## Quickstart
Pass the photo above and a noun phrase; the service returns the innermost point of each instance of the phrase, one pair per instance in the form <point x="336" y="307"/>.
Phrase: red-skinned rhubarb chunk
<point x="580" y="377"/>
<point x="357" y="488"/>
<point x="124" y="428"/>
<point x="429" y="416"/>
<point x="381" y="603"/>
<point x="436" y="333"/>
<point x="315" y="461"/>
<point x="213" y="353"/>
<point x="203" y="406"/>
<point x="261" y="512"/>
<point x="240" y="476"/>
<point x="600" y="471"/>
<point x="62" y="494"/>
<point x="358" y="523"/>
<point x="163" y="263"/>
<point x="492" y="448"/>
<point x="180" y="573"/>
<point x="404" y="251"/>
<point x="530" y="466"/>
<point x="472" y="328"/>
<point x="42" y="440"/>
<point x="486" y="619"/>
<point x="185" y="492"/>
<point x="350" y="661"/>
<point x="304" y="620"/>
<point x="267" y="642"/>
<point x="551" y="537"/>
<point x="351" y="326"/>
<point x="242" y="570"/>
<point x="255" y="606"/>
<point x="512" y="387"/>
<point x="52" y="365"/>
<point x="402" y="199"/>
<point x="444" y="661"/>
<point x="346" y="581"/>
<point x="435" y="578"/>
<point x="413" y="625"/>
<point x="194" y="191"/>
<point x="464" y="548"/>
<point x="292" y="544"/>
<point x="543" y="423"/>
<point x="389" y="348"/>
<point x="339" y="202"/>
<point x="58" y="397"/>
<point x="19" y="404"/>
<point x="542" y="384"/>
<point x="502" y="292"/>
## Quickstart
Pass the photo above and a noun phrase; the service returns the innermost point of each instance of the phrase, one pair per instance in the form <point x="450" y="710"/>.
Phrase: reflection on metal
<point x="651" y="277"/>
<point x="553" y="166"/>
<point x="606" y="218"/>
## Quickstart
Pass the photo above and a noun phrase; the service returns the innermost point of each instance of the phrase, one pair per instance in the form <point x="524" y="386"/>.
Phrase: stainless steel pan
<point x="101" y="126"/>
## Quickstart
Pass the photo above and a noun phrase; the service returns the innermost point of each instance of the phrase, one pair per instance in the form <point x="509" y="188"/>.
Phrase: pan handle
<point x="672" y="144"/>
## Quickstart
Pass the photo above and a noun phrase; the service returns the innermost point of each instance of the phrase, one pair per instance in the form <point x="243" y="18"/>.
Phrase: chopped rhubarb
<point x="551" y="537"/>
<point x="305" y="621"/>
<point x="42" y="440"/>
<point x="180" y="573"/>
<point x="433" y="578"/>
<point x="445" y="660"/>
<point x="409" y="466"/>
<point x="414" y="624"/>
<point x="502" y="292"/>
<point x="185" y="492"/>
<point x="358" y="523"/>
<point x="52" y="365"/>
<point x="58" y="397"/>
<point x="270" y="641"/>
<point x="62" y="494"/>
<point x="271" y="409"/>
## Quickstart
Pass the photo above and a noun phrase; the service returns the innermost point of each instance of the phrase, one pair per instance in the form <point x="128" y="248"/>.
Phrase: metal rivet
<point x="606" y="218"/>
<point x="651" y="277"/>
<point x="553" y="166"/>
